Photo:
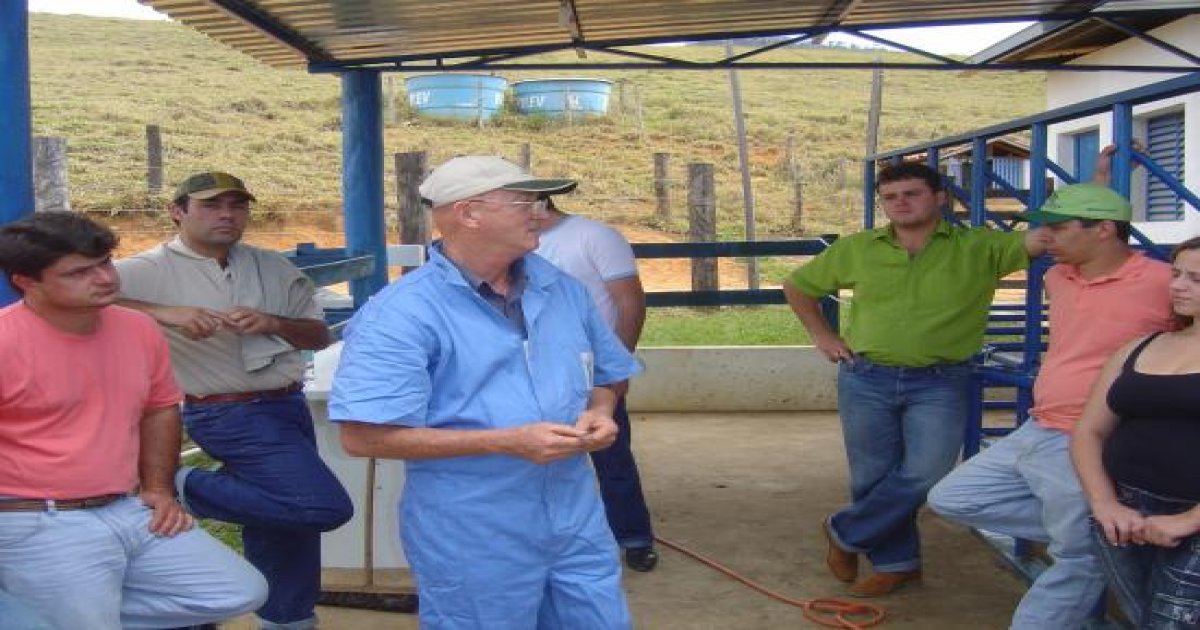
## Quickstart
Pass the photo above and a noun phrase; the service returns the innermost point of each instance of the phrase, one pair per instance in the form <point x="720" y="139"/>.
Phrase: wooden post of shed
<point x="50" y="174"/>
<point x="154" y="160"/>
<point x="662" y="188"/>
<point x="526" y="157"/>
<point x="414" y="218"/>
<point x="739" y="125"/>
<point x="702" y="223"/>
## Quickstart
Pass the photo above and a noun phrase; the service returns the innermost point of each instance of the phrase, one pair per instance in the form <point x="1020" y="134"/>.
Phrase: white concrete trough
<point x="346" y="547"/>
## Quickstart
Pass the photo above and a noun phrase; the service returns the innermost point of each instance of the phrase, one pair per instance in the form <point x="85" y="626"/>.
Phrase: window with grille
<point x="1164" y="145"/>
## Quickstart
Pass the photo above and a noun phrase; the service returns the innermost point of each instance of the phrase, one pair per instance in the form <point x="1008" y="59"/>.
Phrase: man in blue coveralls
<point x="490" y="372"/>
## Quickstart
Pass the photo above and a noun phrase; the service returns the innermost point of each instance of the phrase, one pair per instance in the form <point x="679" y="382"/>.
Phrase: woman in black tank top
<point x="1135" y="450"/>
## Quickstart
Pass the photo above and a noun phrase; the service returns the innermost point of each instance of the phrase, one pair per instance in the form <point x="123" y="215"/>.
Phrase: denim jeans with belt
<point x="621" y="487"/>
<point x="903" y="428"/>
<point x="274" y="484"/>
<point x="1158" y="587"/>
<point x="102" y="569"/>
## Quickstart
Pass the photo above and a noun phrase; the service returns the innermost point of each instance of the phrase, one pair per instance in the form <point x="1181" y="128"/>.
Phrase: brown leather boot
<point x="842" y="564"/>
<point x="880" y="584"/>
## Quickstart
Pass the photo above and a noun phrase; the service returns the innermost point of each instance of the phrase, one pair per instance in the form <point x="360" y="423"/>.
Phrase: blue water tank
<point x="561" y="98"/>
<point x="457" y="96"/>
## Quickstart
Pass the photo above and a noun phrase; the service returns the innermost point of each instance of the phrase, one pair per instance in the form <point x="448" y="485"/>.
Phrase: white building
<point x="1170" y="128"/>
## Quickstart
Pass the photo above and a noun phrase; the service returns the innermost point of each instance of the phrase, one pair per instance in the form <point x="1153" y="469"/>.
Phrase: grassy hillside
<point x="98" y="82"/>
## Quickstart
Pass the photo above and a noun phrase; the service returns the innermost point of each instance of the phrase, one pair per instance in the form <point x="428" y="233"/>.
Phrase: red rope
<point x="825" y="611"/>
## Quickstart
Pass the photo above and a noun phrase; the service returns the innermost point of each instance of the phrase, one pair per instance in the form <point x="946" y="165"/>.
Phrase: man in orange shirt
<point x="91" y="535"/>
<point x="1102" y="295"/>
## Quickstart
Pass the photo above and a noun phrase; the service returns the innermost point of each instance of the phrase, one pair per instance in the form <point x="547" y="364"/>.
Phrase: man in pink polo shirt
<point x="1102" y="295"/>
<point x="91" y="536"/>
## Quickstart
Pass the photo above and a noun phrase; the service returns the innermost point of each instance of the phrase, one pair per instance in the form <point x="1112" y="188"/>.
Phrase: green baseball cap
<point x="1081" y="201"/>
<point x="209" y="184"/>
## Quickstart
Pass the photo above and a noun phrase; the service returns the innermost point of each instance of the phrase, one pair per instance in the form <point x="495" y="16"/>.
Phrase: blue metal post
<point x="1032" y="350"/>
<point x="1122" y="162"/>
<point x="362" y="177"/>
<point x="16" y="174"/>
<point x="979" y="180"/>
<point x="868" y="194"/>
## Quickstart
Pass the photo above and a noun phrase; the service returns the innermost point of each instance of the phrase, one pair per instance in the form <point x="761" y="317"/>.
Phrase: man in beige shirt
<point x="237" y="318"/>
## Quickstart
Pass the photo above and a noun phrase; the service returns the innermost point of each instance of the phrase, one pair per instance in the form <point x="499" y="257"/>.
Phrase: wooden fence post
<point x="154" y="160"/>
<point x="873" y="112"/>
<point x="789" y="152"/>
<point x="662" y="187"/>
<point x="526" y="157"/>
<point x="641" y="117"/>
<point x="389" y="100"/>
<point x="414" y="218"/>
<point x="797" y="198"/>
<point x="702" y="226"/>
<point x="50" y="175"/>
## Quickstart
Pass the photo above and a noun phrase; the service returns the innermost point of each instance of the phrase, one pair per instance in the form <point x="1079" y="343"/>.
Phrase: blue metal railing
<point x="326" y="266"/>
<point x="728" y="249"/>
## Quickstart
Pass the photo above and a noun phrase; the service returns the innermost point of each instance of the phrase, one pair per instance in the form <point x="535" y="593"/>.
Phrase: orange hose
<point x="825" y="611"/>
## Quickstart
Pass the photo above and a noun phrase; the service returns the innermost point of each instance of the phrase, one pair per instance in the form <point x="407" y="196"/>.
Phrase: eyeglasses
<point x="538" y="205"/>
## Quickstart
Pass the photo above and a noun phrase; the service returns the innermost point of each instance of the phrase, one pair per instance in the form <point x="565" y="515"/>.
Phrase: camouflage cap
<point x="209" y="184"/>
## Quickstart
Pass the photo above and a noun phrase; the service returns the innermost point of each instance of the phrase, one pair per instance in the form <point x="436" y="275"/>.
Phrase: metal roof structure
<point x="1063" y="41"/>
<point x="403" y="35"/>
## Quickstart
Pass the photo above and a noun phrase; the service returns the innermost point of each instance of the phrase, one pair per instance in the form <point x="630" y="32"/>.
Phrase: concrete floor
<point x="750" y="490"/>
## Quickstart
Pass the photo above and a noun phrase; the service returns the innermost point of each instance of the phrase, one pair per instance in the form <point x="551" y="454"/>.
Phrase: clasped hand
<point x="544" y="442"/>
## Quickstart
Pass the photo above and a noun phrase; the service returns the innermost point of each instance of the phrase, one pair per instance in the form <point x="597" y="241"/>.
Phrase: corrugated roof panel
<point x="295" y="32"/>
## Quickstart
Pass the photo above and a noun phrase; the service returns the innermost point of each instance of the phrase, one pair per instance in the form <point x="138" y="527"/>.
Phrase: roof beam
<point x="252" y="16"/>
<point x="837" y="13"/>
<point x="1149" y="39"/>
<point x="654" y="62"/>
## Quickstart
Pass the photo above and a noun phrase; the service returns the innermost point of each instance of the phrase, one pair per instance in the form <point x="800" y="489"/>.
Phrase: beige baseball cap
<point x="470" y="175"/>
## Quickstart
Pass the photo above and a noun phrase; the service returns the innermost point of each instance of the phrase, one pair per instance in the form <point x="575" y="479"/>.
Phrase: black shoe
<point x="641" y="559"/>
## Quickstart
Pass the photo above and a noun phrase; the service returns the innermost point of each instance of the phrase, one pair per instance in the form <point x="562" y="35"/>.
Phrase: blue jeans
<point x="903" y="428"/>
<point x="1158" y="587"/>
<point x="102" y="569"/>
<point x="16" y="616"/>
<point x="1025" y="486"/>
<point x="275" y="485"/>
<point x="621" y="487"/>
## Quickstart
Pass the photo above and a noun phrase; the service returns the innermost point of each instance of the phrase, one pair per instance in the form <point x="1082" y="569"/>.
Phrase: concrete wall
<point x="1065" y="88"/>
<point x="734" y="378"/>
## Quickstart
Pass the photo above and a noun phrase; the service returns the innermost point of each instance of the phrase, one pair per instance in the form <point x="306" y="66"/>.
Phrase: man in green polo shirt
<point x="922" y="289"/>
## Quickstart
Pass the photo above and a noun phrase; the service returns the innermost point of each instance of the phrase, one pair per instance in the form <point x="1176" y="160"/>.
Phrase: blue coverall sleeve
<point x="384" y="373"/>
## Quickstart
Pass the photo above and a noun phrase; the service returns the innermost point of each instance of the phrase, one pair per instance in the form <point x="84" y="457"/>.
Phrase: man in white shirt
<point x="600" y="258"/>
